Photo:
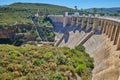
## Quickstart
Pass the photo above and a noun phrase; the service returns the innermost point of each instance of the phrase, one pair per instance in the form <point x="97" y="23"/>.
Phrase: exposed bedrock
<point x="101" y="38"/>
<point x="16" y="31"/>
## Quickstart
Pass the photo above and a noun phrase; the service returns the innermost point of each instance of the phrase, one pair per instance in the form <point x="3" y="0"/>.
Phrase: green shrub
<point x="90" y="65"/>
<point x="31" y="51"/>
<point x="72" y="69"/>
<point x="24" y="64"/>
<point x="85" y="77"/>
<point x="38" y="39"/>
<point x="80" y="69"/>
<point x="18" y="42"/>
<point x="22" y="50"/>
<point x="2" y="70"/>
<point x="6" y="76"/>
<point x="16" y="74"/>
<point x="80" y="48"/>
<point x="37" y="62"/>
<point x="13" y="54"/>
<point x="57" y="77"/>
<point x="61" y="60"/>
<point x="14" y="67"/>
<point x="63" y="68"/>
<point x="48" y="55"/>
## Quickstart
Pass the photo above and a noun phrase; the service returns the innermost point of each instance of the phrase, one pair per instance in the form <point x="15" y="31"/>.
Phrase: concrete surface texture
<point x="101" y="38"/>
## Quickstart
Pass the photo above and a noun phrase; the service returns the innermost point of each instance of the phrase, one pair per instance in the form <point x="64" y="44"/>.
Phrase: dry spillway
<point x="100" y="36"/>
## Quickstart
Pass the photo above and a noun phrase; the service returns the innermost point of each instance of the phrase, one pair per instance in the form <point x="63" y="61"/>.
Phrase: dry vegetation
<point x="29" y="62"/>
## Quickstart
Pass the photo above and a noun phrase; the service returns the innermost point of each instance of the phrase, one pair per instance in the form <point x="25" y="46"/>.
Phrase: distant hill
<point x="114" y="10"/>
<point x="40" y="7"/>
<point x="19" y="12"/>
<point x="35" y="5"/>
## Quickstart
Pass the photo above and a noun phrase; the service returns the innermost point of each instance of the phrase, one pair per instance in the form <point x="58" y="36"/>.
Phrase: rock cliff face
<point x="99" y="46"/>
<point x="6" y="33"/>
<point x="17" y="31"/>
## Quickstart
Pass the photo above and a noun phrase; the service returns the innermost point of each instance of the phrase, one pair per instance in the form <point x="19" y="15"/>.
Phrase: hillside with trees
<point x="19" y="12"/>
<point x="16" y="19"/>
<point x="115" y="11"/>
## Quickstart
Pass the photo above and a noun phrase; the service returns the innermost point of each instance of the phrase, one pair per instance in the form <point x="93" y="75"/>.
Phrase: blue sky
<point x="71" y="3"/>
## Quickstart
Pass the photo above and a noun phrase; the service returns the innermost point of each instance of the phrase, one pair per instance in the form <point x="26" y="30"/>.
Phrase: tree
<point x="115" y="14"/>
<point x="101" y="10"/>
<point x="81" y="11"/>
<point x="107" y="14"/>
<point x="76" y="8"/>
<point x="94" y="11"/>
<point x="38" y="39"/>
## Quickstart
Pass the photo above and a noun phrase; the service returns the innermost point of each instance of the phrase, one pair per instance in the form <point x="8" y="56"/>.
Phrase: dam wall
<point x="99" y="35"/>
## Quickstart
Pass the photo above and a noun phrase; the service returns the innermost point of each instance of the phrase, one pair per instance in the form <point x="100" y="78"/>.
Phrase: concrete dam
<point x="99" y="35"/>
